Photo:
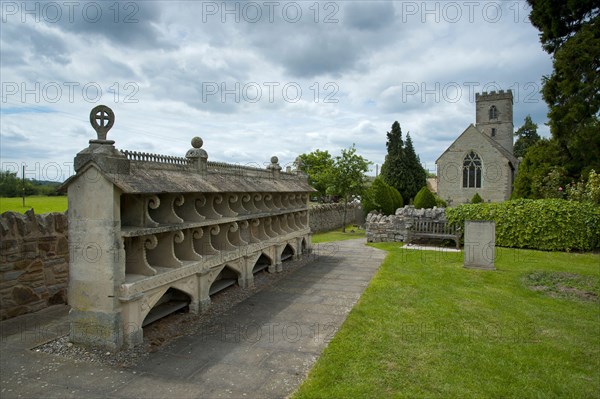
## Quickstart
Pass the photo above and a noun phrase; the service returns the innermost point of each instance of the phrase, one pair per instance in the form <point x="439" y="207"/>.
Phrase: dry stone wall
<point x="392" y="228"/>
<point x="34" y="262"/>
<point x="327" y="217"/>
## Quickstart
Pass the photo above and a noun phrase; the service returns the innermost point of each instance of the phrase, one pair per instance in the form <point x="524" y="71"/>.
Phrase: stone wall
<point x="381" y="228"/>
<point x="327" y="217"/>
<point x="34" y="262"/>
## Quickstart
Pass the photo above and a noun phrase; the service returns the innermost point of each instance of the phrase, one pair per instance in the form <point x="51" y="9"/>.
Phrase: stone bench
<point x="432" y="229"/>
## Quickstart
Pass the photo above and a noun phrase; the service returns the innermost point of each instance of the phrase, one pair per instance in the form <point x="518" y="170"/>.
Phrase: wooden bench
<point x="432" y="229"/>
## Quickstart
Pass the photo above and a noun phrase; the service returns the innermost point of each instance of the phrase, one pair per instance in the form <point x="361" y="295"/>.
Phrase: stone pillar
<point x="97" y="262"/>
<point x="274" y="167"/>
<point x="480" y="244"/>
<point x="198" y="156"/>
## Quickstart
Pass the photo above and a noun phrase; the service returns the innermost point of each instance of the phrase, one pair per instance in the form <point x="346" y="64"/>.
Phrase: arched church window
<point x="493" y="112"/>
<point x="472" y="171"/>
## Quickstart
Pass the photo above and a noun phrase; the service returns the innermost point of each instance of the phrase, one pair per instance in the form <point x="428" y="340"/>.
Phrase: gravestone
<point x="480" y="244"/>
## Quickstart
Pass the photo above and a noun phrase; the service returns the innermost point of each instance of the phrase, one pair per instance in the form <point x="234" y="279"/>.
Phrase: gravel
<point x="166" y="330"/>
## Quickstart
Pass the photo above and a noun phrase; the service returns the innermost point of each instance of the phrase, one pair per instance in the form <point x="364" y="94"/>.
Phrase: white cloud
<point x="163" y="67"/>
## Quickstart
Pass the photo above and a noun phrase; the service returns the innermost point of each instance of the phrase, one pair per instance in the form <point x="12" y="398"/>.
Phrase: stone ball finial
<point x="197" y="142"/>
<point x="274" y="159"/>
<point x="196" y="151"/>
<point x="102" y="119"/>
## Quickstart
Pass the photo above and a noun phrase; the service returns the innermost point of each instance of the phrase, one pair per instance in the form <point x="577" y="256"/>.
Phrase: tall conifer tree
<point x="402" y="168"/>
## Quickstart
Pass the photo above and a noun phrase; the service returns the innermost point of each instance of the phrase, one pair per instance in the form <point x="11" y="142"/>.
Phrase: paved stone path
<point x="262" y="348"/>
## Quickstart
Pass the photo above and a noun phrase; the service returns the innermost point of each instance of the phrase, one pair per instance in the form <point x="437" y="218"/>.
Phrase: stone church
<point x="481" y="159"/>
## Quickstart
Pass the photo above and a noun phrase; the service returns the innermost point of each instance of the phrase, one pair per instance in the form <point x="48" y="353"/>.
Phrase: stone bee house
<point x="149" y="234"/>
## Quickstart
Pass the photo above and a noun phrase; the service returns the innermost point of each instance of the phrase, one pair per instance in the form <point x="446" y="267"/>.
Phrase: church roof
<point x="503" y="151"/>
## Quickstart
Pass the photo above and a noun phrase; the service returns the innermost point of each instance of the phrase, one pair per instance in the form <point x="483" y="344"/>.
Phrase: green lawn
<point x="351" y="233"/>
<point x="40" y="204"/>
<point x="426" y="327"/>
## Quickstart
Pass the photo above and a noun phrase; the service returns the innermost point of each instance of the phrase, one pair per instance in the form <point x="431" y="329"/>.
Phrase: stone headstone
<point x="480" y="244"/>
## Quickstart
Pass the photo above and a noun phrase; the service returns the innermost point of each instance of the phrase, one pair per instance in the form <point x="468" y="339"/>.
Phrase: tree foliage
<point x="570" y="32"/>
<point x="382" y="197"/>
<point x="585" y="190"/>
<point x="316" y="165"/>
<point x="538" y="162"/>
<point x="347" y="177"/>
<point x="425" y="199"/>
<point x="527" y="136"/>
<point x="12" y="186"/>
<point x="402" y="168"/>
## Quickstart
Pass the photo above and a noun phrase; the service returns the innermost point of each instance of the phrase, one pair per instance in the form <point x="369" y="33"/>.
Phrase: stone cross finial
<point x="102" y="119"/>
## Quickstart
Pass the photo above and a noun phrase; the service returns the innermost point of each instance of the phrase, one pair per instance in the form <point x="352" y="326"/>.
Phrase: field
<point x="40" y="204"/>
<point x="427" y="327"/>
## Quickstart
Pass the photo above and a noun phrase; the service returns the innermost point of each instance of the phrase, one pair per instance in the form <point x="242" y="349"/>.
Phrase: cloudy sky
<point x="256" y="79"/>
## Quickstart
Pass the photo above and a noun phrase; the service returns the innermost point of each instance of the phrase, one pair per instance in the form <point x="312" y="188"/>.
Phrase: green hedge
<point x="547" y="224"/>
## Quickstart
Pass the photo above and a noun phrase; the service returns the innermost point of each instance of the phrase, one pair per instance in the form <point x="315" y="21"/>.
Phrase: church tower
<point x="494" y="116"/>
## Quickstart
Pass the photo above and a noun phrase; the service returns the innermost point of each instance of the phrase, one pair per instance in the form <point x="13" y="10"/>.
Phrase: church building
<point x="481" y="159"/>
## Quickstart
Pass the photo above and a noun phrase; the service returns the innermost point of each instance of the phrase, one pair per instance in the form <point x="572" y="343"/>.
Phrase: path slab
<point x="262" y="347"/>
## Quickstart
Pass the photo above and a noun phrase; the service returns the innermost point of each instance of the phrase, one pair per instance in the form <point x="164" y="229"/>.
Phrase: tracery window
<point x="472" y="171"/>
<point x="493" y="112"/>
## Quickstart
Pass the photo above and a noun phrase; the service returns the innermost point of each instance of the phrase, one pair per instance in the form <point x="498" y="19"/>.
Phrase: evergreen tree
<point x="527" y="136"/>
<point x="402" y="168"/>
<point x="381" y="197"/>
<point x="416" y="176"/>
<point x="392" y="166"/>
<point x="424" y="199"/>
<point x="570" y="32"/>
<point x="476" y="199"/>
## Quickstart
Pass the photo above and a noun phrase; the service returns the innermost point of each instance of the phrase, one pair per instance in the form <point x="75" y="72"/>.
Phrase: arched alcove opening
<point x="226" y="278"/>
<point x="288" y="253"/>
<point x="172" y="301"/>
<point x="262" y="263"/>
<point x="303" y="247"/>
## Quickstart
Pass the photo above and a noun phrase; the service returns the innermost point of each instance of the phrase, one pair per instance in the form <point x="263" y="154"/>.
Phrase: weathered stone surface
<point x="62" y="246"/>
<point x="327" y="217"/>
<point x="30" y="263"/>
<point x="23" y="295"/>
<point x="480" y="244"/>
<point x="151" y="229"/>
<point x="491" y="140"/>
<point x="393" y="228"/>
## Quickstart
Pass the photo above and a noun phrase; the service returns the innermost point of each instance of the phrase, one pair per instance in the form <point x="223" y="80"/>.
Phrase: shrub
<point x="424" y="199"/>
<point x="585" y="190"/>
<point x="476" y="199"/>
<point x="397" y="198"/>
<point x="546" y="224"/>
<point x="439" y="202"/>
<point x="380" y="197"/>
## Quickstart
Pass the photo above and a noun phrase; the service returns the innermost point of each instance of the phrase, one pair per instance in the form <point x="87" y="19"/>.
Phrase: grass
<point x="427" y="327"/>
<point x="40" y="204"/>
<point x="351" y="233"/>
